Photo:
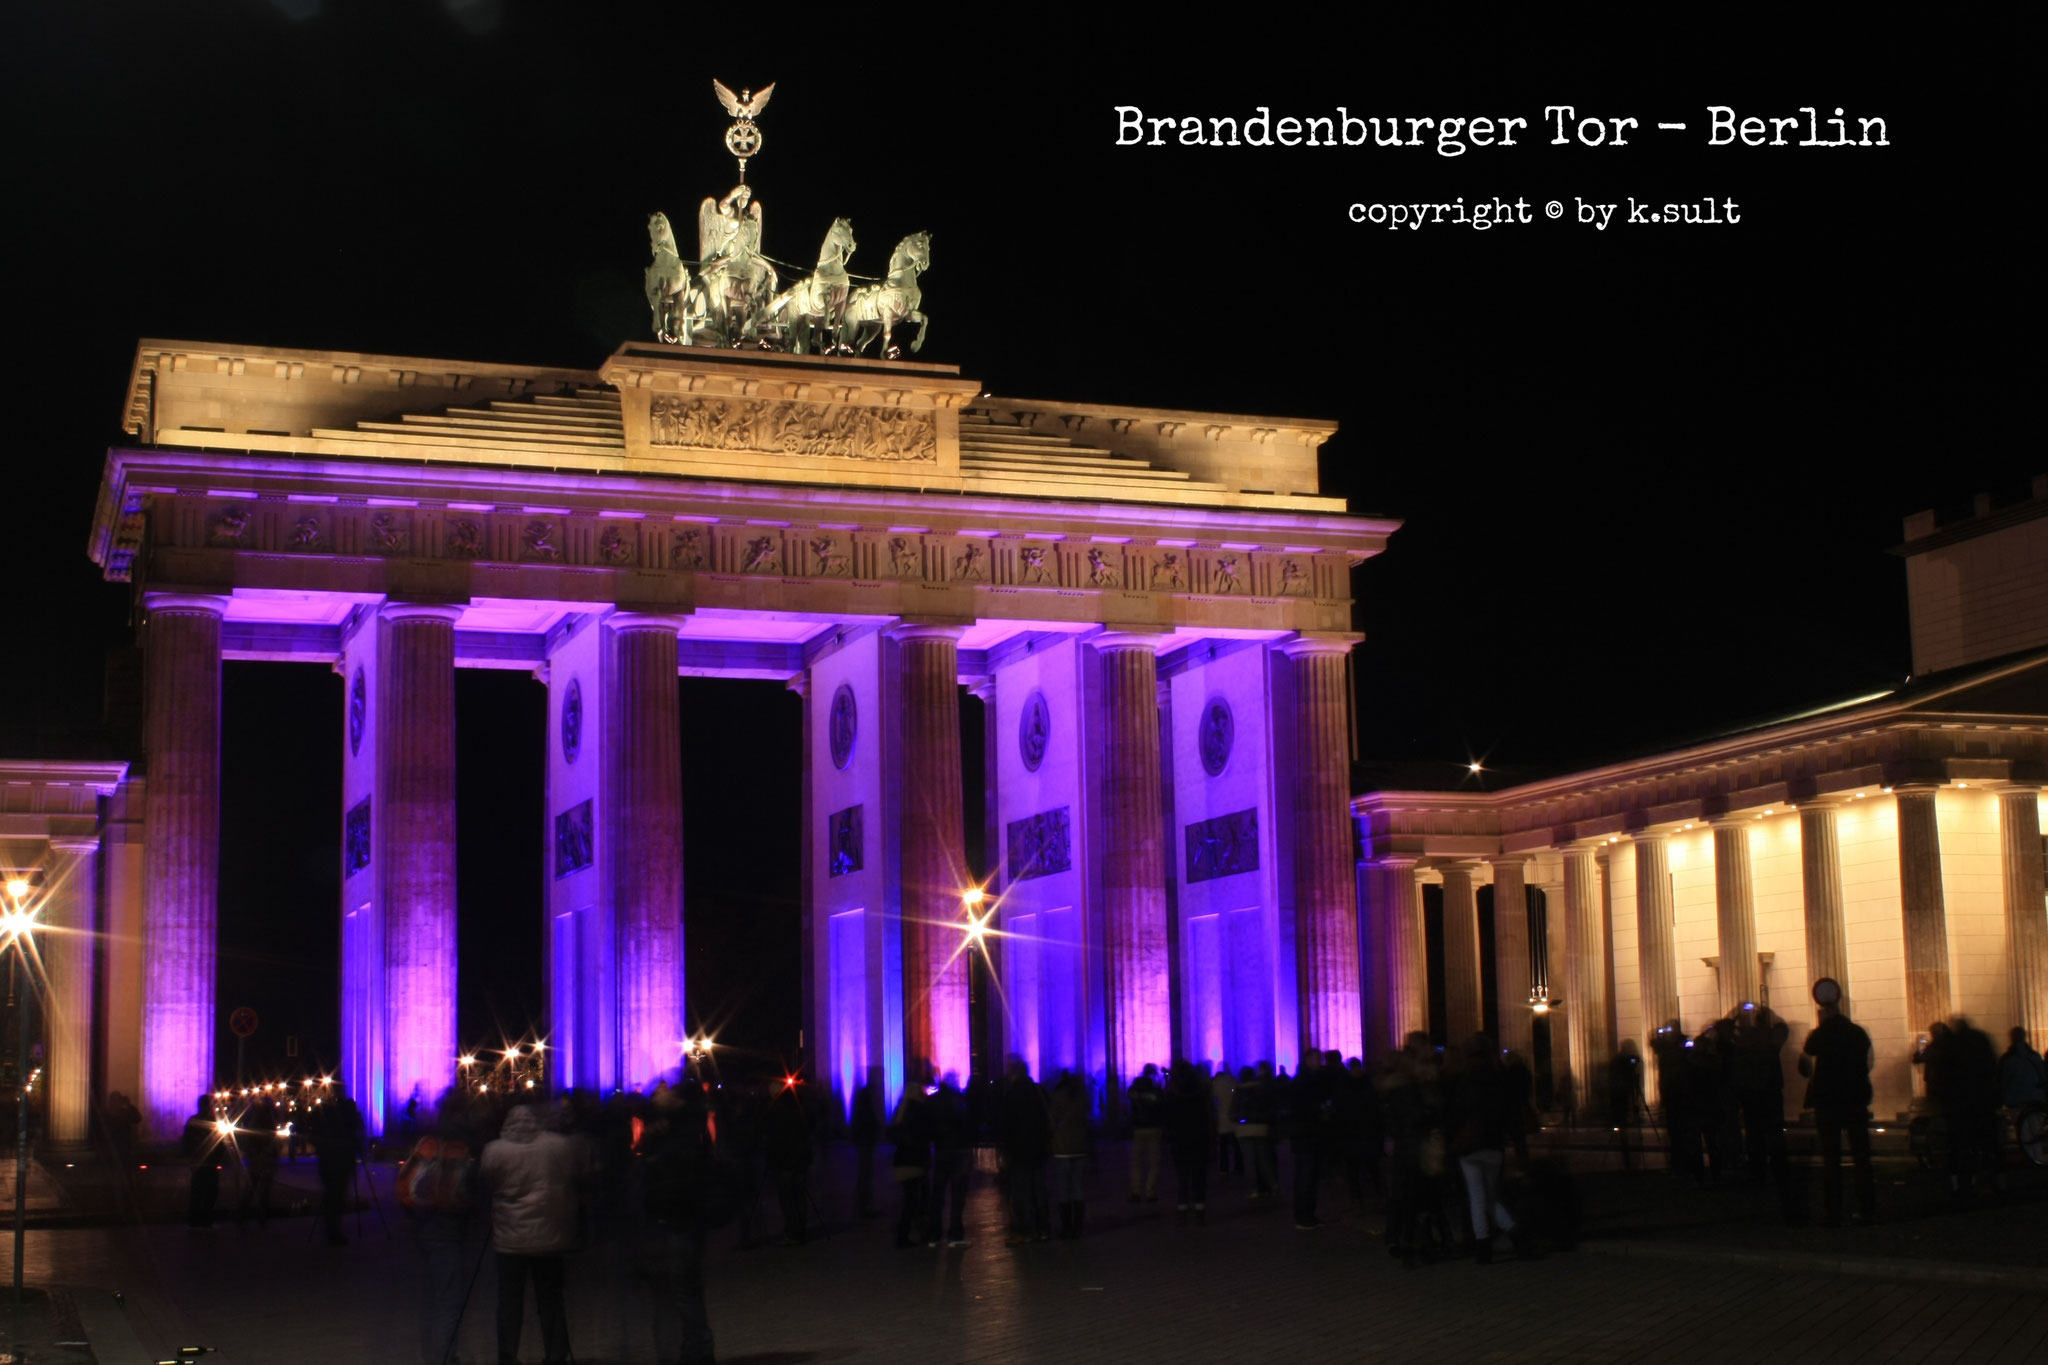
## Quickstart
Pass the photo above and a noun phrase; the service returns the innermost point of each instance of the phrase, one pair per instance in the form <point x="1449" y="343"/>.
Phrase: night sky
<point x="1649" y="475"/>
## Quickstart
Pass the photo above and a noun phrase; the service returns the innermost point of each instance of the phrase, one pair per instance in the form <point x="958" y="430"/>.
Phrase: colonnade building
<point x="1155" y="606"/>
<point x="1892" y="842"/>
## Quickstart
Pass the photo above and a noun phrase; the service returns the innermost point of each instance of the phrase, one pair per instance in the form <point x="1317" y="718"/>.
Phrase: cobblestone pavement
<point x="1248" y="1286"/>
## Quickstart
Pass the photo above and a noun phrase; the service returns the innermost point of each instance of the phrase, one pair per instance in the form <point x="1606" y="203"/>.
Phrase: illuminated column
<point x="70" y="912"/>
<point x="934" y="850"/>
<point x="417" y="755"/>
<point x="1325" y="877"/>
<point x="1820" y="865"/>
<point x="1585" y="985"/>
<point x="645" y="816"/>
<point x="1922" y="909"/>
<point x="1463" y="1011"/>
<point x="1656" y="941"/>
<point x="1735" y="913"/>
<point x="181" y="858"/>
<point x="2026" y="921"/>
<point x="1511" y="954"/>
<point x="1403" y="967"/>
<point x="1134" y="857"/>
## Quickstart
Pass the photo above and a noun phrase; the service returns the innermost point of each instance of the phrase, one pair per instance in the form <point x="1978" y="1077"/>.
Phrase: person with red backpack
<point x="437" y="1190"/>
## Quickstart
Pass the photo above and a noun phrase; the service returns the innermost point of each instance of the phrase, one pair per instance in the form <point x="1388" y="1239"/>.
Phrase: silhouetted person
<point x="2022" y="1077"/>
<point x="787" y="1142"/>
<point x="864" y="1126"/>
<point x="258" y="1145"/>
<point x="1837" y="1057"/>
<point x="437" y="1190"/>
<point x="336" y="1128"/>
<point x="1311" y="1103"/>
<point x="1410" y="1109"/>
<point x="1972" y="1104"/>
<point x="1024" y="1140"/>
<point x="1147" y="1134"/>
<point x="739" y="1143"/>
<point x="678" y="1180"/>
<point x="1187" y="1123"/>
<point x="1521" y="1091"/>
<point x="1674" y="1095"/>
<point x="952" y="1163"/>
<point x="911" y="1164"/>
<point x="1625" y="1099"/>
<point x="533" y="1176"/>
<point x="1478" y="1127"/>
<point x="1760" y="1038"/>
<point x="1251" y="1108"/>
<point x="1068" y="1109"/>
<point x="1223" y="1098"/>
<point x="201" y="1145"/>
<point x="1356" y="1119"/>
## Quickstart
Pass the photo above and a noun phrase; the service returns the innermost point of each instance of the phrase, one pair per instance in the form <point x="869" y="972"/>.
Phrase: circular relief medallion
<point x="843" y="725"/>
<point x="572" y="720"/>
<point x="358" y="710"/>
<point x="1218" y="730"/>
<point x="1034" y="731"/>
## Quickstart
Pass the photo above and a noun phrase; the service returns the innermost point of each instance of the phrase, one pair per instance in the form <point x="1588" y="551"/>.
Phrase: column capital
<point x="421" y="611"/>
<point x="1518" y="861"/>
<point x="1337" y="644"/>
<point x="1915" y="788"/>
<point x="926" y="630"/>
<point x="1650" y="836"/>
<point x="1394" y="863"/>
<point x="1147" y="641"/>
<point x="184" y="604"/>
<point x="75" y="843"/>
<point x="622" y="621"/>
<point x="1733" y="821"/>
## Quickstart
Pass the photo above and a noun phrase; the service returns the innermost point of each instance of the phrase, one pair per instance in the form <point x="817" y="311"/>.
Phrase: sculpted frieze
<point x="686" y="548"/>
<point x="615" y="546"/>
<point x="891" y="435"/>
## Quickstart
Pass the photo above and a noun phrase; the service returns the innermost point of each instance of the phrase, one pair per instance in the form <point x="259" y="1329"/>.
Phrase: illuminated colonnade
<point x="1893" y="845"/>
<point x="1161" y="649"/>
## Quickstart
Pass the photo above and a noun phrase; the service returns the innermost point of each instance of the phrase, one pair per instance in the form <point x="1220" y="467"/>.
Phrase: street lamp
<point x="17" y="925"/>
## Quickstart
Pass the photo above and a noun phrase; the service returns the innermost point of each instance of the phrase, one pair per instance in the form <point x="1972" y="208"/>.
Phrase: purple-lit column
<point x="181" y="856"/>
<point x="418" y="844"/>
<point x="2026" y="922"/>
<point x="1325" y="880"/>
<point x="1134" y="857"/>
<point x="646" y="859"/>
<point x="70" y="910"/>
<point x="933" y="849"/>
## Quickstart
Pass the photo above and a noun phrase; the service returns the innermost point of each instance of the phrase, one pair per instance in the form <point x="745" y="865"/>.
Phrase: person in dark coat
<point x="864" y="1126"/>
<point x="952" y="1163"/>
<point x="1068" y="1110"/>
<point x="1837" y="1058"/>
<point x="1024" y="1141"/>
<point x="202" y="1145"/>
<point x="677" y="1174"/>
<point x="259" y="1147"/>
<point x="1311" y="1100"/>
<point x="787" y="1141"/>
<point x="911" y="1131"/>
<point x="1144" y="1099"/>
<point x="337" y="1133"/>
<point x="1478" y="1128"/>
<point x="1674" y="1096"/>
<point x="1187" y="1121"/>
<point x="1357" y="1115"/>
<point x="1971" y="1101"/>
<point x="1760" y="1038"/>
<point x="1251" y="1109"/>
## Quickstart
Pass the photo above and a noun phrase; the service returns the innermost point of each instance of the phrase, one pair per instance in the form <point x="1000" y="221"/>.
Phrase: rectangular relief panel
<point x="575" y="840"/>
<point x="357" y="842"/>
<point x="1224" y="846"/>
<point x="1039" y="845"/>
<point x="844" y="842"/>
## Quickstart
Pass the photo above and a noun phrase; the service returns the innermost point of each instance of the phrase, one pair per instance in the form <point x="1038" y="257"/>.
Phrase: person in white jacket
<point x="532" y="1175"/>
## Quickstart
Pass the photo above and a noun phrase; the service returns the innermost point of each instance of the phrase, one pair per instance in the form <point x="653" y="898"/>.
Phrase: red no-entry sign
<point x="242" y="1023"/>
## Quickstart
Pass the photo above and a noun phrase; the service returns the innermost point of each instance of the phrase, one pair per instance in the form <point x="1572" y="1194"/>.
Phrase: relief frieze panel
<point x="888" y="435"/>
<point x="1223" y="847"/>
<point x="1039" y="845"/>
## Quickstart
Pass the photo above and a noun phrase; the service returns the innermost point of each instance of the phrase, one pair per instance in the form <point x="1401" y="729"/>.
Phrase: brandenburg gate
<point x="1155" y="607"/>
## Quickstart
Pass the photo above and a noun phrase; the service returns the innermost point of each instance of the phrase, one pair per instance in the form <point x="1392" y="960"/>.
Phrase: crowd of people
<point x="1438" y="1138"/>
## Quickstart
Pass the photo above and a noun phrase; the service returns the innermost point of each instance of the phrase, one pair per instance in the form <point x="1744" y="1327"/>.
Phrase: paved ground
<point x="1137" y="1287"/>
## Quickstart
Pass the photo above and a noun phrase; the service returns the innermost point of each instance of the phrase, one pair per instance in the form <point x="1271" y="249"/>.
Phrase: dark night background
<point x="1649" y="476"/>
